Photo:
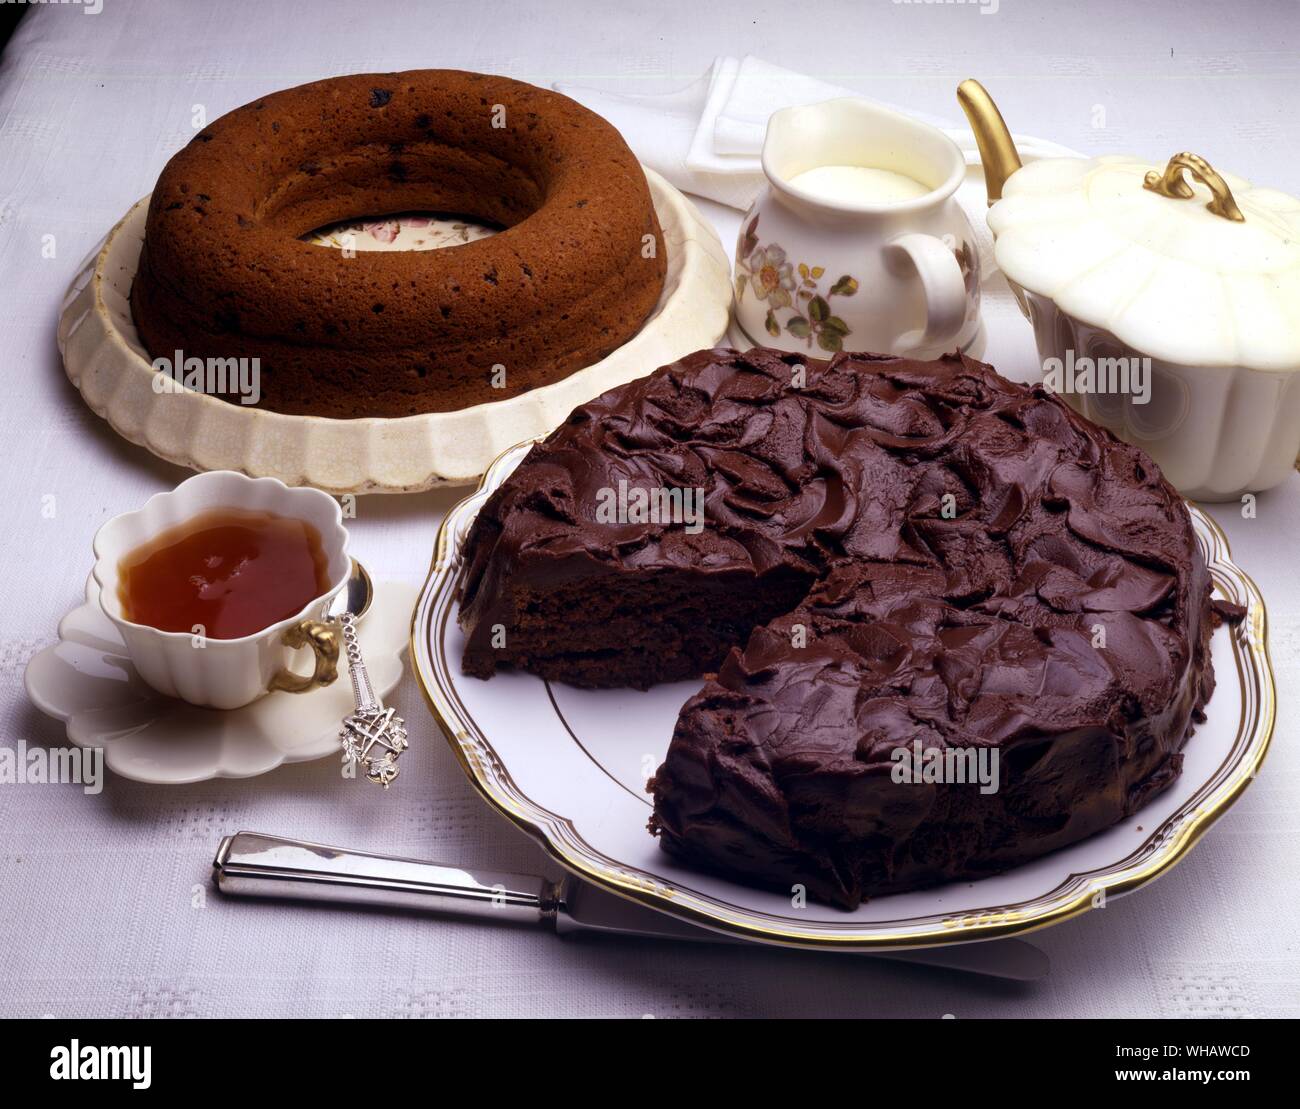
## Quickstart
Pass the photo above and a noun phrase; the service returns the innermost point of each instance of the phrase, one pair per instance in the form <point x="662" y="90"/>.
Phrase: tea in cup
<point x="218" y="585"/>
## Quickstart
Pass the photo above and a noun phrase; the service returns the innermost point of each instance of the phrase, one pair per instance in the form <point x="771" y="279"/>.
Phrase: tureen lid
<point x="1203" y="273"/>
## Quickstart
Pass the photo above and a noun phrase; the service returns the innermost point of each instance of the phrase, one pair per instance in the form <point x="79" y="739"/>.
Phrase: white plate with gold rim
<point x="103" y="358"/>
<point x="569" y="767"/>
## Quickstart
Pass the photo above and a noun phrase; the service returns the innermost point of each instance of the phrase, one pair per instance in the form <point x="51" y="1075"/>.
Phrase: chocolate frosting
<point x="983" y="568"/>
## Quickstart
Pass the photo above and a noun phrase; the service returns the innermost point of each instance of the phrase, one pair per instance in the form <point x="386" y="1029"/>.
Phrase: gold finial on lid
<point x="1174" y="185"/>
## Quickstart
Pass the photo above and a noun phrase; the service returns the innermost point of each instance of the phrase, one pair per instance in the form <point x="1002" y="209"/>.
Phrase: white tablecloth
<point x="103" y="908"/>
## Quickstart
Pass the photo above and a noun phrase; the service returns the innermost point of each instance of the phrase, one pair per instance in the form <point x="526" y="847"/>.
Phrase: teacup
<point x="881" y="260"/>
<point x="228" y="673"/>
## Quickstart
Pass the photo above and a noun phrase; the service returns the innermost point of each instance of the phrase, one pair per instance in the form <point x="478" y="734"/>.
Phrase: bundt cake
<point x="223" y="272"/>
<point x="896" y="560"/>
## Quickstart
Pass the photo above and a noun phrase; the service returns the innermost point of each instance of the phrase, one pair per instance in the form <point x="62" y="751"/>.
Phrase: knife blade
<point x="253" y="864"/>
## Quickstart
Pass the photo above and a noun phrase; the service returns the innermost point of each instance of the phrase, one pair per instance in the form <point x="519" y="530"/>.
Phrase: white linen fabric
<point x="104" y="903"/>
<point x="708" y="137"/>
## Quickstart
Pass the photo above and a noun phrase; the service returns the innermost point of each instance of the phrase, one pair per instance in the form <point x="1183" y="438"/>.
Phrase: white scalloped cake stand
<point x="103" y="358"/>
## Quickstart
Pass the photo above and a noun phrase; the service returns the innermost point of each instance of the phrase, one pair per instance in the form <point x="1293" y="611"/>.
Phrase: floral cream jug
<point x="857" y="241"/>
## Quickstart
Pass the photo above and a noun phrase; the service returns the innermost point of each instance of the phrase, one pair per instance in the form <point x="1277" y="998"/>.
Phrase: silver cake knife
<point x="250" y="864"/>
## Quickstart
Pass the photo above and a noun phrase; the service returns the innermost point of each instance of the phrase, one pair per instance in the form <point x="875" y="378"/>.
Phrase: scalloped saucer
<point x="88" y="681"/>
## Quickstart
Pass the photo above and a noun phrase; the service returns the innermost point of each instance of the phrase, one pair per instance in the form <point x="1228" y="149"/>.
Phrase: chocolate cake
<point x="896" y="562"/>
<point x="224" y="272"/>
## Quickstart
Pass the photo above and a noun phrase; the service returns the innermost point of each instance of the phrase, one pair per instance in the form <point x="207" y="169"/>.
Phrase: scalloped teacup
<point x="227" y="673"/>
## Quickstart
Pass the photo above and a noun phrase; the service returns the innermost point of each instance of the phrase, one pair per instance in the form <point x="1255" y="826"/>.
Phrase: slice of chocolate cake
<point x="956" y="626"/>
<point x="655" y="529"/>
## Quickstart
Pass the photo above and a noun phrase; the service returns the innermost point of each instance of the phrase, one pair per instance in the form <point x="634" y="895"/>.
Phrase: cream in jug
<point x="857" y="241"/>
<point x="858" y="184"/>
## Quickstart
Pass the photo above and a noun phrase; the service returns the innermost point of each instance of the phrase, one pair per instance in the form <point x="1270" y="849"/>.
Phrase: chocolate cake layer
<point x="892" y="556"/>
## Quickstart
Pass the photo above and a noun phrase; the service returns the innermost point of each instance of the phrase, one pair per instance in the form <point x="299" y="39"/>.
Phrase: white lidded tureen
<point x="1165" y="309"/>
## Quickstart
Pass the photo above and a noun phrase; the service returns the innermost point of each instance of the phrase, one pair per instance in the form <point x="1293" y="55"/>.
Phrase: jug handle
<point x="945" y="290"/>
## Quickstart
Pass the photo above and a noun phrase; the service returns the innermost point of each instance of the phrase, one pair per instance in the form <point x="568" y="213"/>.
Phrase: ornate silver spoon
<point x="373" y="736"/>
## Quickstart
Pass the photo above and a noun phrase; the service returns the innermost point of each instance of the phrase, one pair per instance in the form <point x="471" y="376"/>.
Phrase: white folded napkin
<point x="706" y="138"/>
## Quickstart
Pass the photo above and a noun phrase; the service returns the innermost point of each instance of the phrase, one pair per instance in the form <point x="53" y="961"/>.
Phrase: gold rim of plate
<point x="1163" y="848"/>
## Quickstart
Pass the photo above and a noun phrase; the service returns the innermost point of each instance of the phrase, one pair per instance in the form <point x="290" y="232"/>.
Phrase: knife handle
<point x="250" y="864"/>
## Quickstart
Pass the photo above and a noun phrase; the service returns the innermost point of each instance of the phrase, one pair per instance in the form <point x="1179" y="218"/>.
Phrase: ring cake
<point x="896" y="562"/>
<point x="225" y="274"/>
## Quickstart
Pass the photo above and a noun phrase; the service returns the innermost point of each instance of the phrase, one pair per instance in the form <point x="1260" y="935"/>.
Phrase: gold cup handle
<point x="323" y="639"/>
<point x="1173" y="184"/>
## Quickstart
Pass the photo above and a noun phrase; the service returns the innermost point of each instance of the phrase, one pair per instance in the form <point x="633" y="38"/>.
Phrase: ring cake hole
<point x="404" y="231"/>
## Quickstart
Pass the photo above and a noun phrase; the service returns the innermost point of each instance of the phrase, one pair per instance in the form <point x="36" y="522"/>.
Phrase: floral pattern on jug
<point x="781" y="284"/>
